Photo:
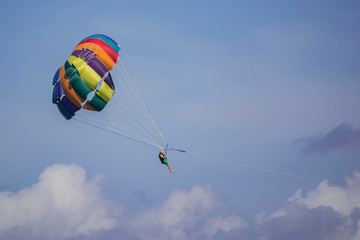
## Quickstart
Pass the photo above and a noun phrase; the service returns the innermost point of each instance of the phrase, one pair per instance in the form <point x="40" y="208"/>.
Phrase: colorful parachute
<point x="95" y="87"/>
<point x="86" y="71"/>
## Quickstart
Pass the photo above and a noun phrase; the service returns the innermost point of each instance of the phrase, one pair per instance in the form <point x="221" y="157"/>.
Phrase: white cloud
<point x="224" y="224"/>
<point x="342" y="199"/>
<point x="196" y="214"/>
<point x="63" y="203"/>
<point x="327" y="212"/>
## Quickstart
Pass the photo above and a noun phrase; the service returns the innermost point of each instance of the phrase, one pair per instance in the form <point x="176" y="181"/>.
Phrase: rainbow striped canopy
<point x="84" y="81"/>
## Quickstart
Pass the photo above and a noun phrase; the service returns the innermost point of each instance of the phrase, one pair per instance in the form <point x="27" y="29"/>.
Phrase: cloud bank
<point x="64" y="204"/>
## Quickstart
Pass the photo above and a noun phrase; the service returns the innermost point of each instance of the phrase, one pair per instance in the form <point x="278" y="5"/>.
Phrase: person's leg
<point x="168" y="164"/>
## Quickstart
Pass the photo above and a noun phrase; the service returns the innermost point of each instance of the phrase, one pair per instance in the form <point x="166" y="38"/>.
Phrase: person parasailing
<point x="163" y="159"/>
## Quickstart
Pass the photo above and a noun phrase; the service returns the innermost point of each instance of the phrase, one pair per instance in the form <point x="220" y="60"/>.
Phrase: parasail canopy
<point x="94" y="87"/>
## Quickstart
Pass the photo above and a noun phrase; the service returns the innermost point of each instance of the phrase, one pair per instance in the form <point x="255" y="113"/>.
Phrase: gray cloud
<point x="343" y="136"/>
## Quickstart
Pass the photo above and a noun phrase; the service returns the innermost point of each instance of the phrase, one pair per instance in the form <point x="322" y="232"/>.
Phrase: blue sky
<point x="271" y="84"/>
